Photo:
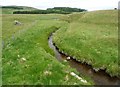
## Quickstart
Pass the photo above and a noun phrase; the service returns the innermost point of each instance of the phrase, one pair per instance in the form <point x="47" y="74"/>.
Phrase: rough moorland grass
<point x="27" y="58"/>
<point x="92" y="37"/>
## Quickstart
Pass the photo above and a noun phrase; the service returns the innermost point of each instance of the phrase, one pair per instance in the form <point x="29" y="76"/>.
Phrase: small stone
<point x="72" y="73"/>
<point x="23" y="59"/>
<point x="96" y="69"/>
<point x="68" y="58"/>
<point x="84" y="81"/>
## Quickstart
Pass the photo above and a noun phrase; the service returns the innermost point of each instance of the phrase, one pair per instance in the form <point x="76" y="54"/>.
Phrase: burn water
<point x="100" y="77"/>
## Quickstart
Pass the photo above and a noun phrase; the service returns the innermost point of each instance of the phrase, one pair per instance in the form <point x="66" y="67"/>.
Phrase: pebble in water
<point x="68" y="58"/>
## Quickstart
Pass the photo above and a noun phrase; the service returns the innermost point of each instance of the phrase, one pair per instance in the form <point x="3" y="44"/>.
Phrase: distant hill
<point x="11" y="9"/>
<point x="31" y="10"/>
<point x="56" y="10"/>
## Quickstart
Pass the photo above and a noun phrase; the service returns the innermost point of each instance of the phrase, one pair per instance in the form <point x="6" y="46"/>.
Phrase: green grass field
<point x="26" y="56"/>
<point x="27" y="59"/>
<point x="91" y="37"/>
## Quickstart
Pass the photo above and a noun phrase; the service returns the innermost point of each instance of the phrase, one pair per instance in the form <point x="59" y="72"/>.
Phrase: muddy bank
<point x="100" y="77"/>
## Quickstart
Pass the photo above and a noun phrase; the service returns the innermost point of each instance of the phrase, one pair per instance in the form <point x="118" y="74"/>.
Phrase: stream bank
<point x="99" y="78"/>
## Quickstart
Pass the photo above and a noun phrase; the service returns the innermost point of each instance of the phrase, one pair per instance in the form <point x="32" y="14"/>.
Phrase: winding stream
<point x="100" y="77"/>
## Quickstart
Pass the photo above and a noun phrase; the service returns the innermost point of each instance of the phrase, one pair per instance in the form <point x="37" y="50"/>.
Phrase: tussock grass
<point x="92" y="37"/>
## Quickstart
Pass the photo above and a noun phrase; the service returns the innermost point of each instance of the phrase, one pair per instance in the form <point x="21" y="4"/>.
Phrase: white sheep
<point x="17" y="22"/>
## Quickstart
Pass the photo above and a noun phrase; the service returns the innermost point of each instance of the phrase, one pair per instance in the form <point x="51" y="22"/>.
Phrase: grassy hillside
<point x="92" y="37"/>
<point x="10" y="9"/>
<point x="26" y="56"/>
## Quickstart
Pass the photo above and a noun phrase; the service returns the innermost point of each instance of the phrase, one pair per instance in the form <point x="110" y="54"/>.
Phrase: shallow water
<point x="100" y="77"/>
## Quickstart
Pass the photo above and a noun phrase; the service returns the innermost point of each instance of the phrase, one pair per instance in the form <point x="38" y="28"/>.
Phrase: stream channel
<point x="99" y="78"/>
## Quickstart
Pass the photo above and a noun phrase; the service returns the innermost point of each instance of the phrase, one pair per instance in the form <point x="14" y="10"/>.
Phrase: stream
<point x="99" y="78"/>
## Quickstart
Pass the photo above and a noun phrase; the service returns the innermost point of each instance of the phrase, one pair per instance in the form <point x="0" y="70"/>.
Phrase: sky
<point x="90" y="5"/>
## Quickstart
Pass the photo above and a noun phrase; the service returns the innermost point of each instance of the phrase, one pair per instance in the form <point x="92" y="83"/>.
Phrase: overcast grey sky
<point x="85" y="4"/>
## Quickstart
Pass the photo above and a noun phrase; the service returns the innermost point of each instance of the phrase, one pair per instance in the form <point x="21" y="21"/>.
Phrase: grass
<point x="26" y="56"/>
<point x="91" y="37"/>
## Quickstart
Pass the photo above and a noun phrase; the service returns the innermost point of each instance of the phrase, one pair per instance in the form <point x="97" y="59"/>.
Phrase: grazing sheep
<point x="17" y="22"/>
